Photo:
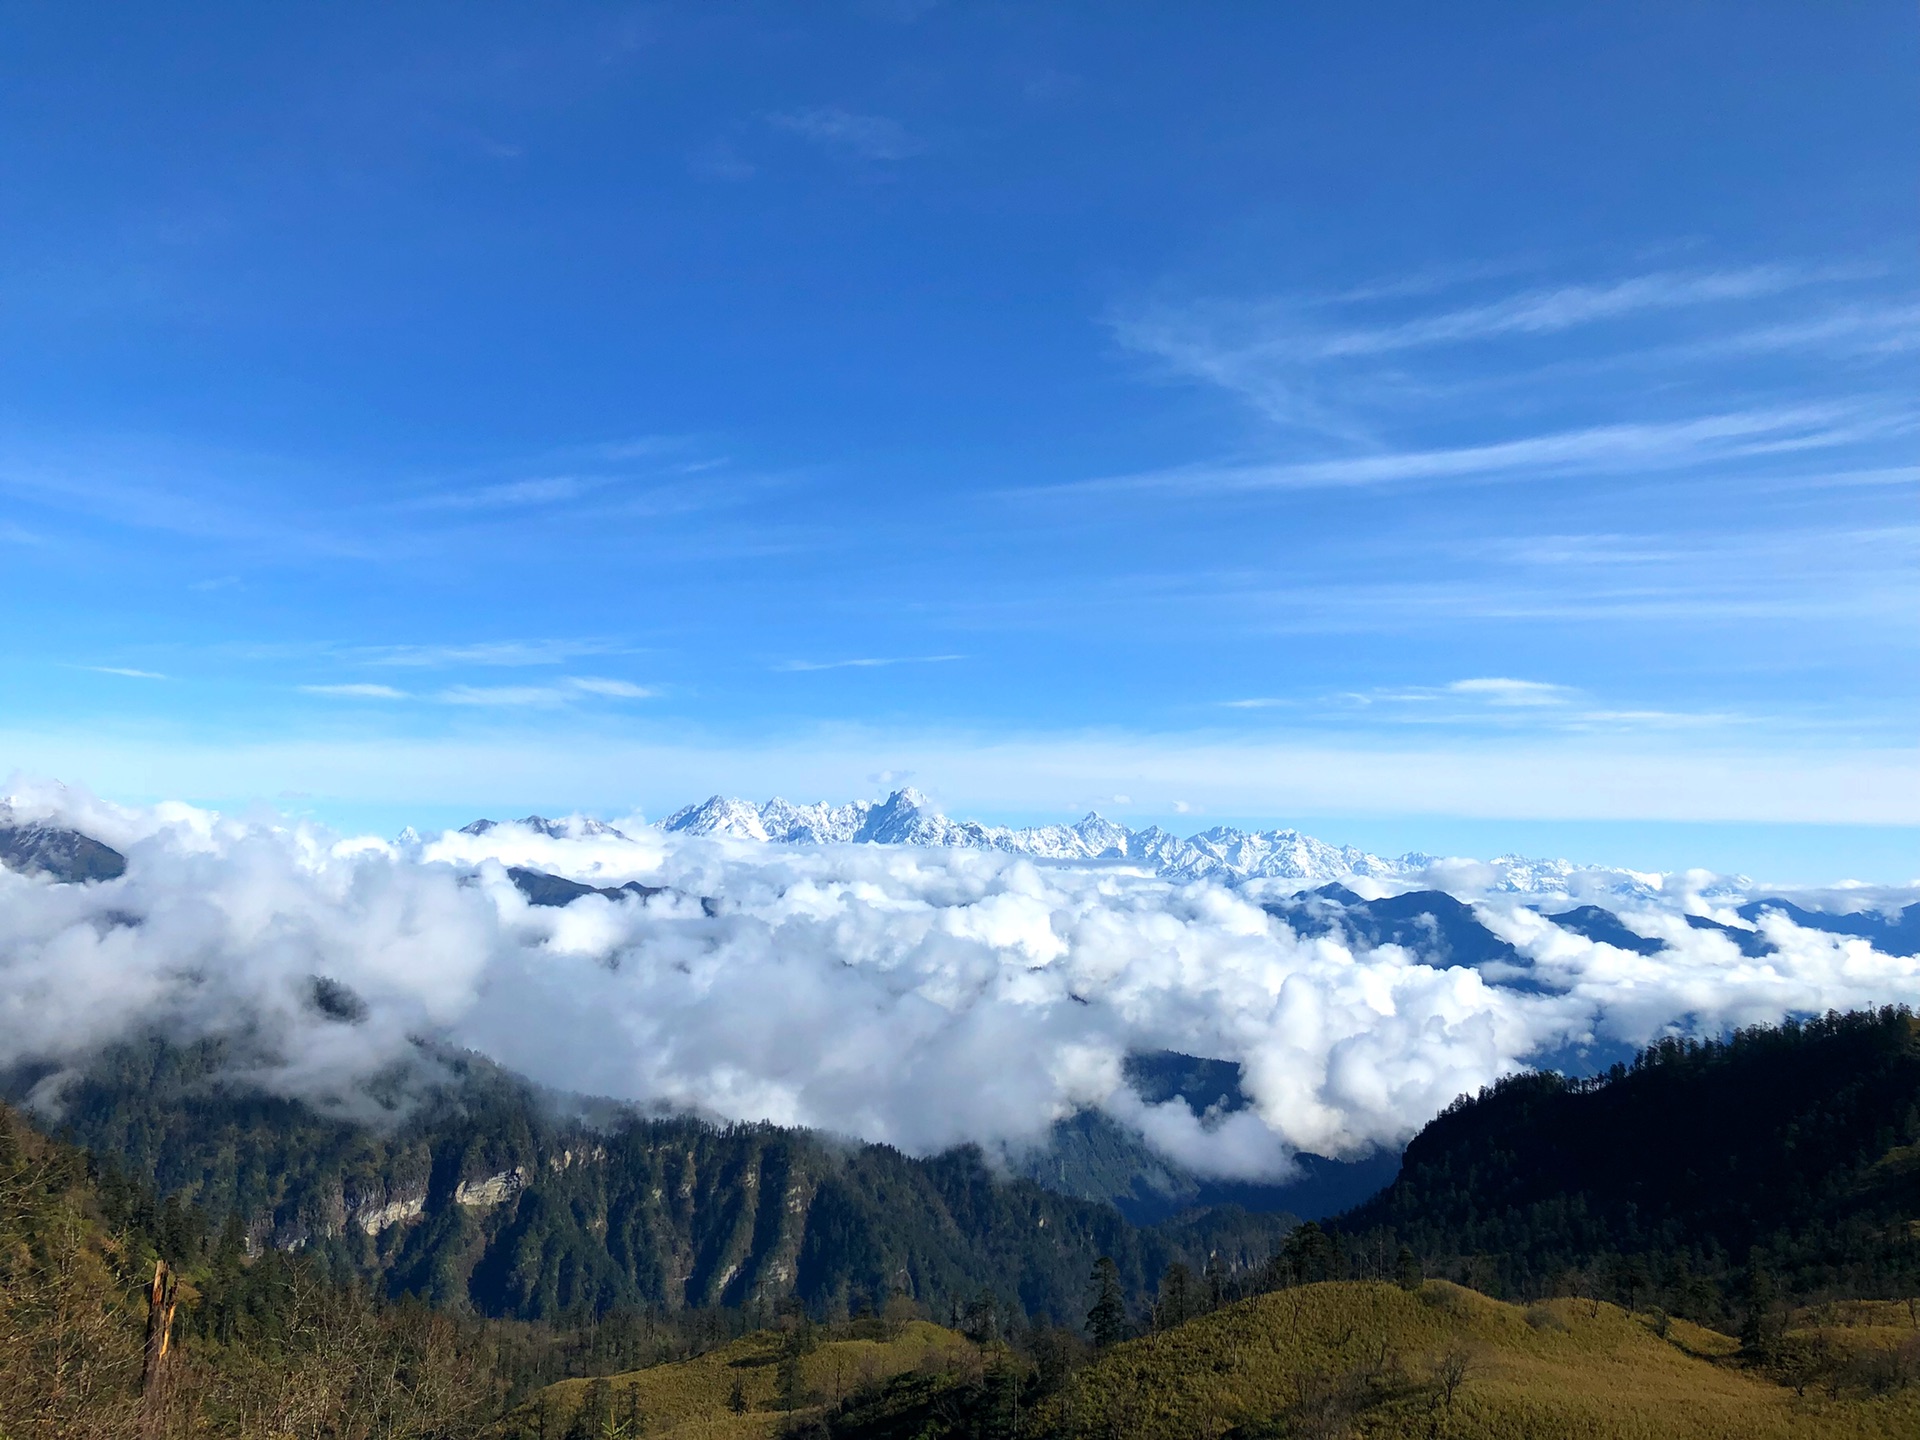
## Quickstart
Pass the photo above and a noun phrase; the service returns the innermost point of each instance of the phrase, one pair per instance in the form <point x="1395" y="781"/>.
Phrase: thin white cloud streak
<point x="1325" y="364"/>
<point x="503" y="653"/>
<point x="1232" y="341"/>
<point x="1499" y="692"/>
<point x="508" y="495"/>
<point x="867" y="137"/>
<point x="864" y="663"/>
<point x="1668" y="445"/>
<point x="1843" y="479"/>
<point x="1548" y="311"/>
<point x="1880" y="597"/>
<point x="1754" y="777"/>
<point x="252" y="501"/>
<point x="1800" y="576"/>
<point x="508" y="695"/>
<point x="1876" y="330"/>
<point x="918" y="997"/>
<point x="1496" y="690"/>
<point x="355" y="692"/>
<point x="543" y="696"/>
<point x="125" y="671"/>
<point x="612" y="689"/>
<point x="1512" y="704"/>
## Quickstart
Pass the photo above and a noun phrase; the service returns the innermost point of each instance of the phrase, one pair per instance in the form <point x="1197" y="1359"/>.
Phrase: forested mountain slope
<point x="1795" y="1148"/>
<point x="477" y="1193"/>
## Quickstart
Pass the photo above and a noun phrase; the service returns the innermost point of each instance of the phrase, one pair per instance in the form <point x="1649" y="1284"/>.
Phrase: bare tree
<point x="1450" y="1373"/>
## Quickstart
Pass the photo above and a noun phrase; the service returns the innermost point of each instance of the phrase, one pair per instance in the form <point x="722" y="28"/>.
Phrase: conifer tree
<point x="1107" y="1319"/>
<point x="1406" y="1269"/>
<point x="1176" y="1296"/>
<point x="1217" y="1281"/>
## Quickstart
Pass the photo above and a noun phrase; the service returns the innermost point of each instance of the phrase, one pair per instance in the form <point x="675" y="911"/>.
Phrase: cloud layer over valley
<point x="920" y="996"/>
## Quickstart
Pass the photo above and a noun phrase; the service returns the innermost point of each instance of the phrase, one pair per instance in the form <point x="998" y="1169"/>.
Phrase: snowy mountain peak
<point x="1102" y="836"/>
<point x="907" y="817"/>
<point x="1222" y="854"/>
<point x="574" y="827"/>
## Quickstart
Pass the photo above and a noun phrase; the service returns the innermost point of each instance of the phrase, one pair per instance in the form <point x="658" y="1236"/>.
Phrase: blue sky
<point x="1427" y="425"/>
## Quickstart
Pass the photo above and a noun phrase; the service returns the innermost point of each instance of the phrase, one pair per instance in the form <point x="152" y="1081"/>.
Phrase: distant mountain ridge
<point x="577" y="827"/>
<point x="907" y="817"/>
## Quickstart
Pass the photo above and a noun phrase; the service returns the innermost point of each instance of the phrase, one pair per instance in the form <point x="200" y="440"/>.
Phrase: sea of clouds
<point x="921" y="997"/>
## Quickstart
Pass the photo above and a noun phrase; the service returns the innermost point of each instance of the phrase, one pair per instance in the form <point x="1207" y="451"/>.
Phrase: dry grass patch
<point x="1373" y="1360"/>
<point x="697" y="1399"/>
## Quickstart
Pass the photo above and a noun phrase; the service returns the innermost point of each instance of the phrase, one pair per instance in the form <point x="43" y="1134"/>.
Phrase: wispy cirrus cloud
<point x="1499" y="690"/>
<point x="509" y="495"/>
<point x="1849" y="330"/>
<point x="612" y="689"/>
<point x="503" y="653"/>
<point x="1353" y="364"/>
<point x="566" y="692"/>
<point x="572" y="689"/>
<point x="1501" y="702"/>
<point x="355" y="692"/>
<point x="865" y="137"/>
<point x="1672" y="444"/>
<point x="1229" y="341"/>
<point x="1551" y="310"/>
<point x="125" y="671"/>
<point x="499" y="695"/>
<point x="863" y="663"/>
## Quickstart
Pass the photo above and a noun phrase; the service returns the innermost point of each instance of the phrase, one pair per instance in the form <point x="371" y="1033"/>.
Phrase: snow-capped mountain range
<point x="906" y="817"/>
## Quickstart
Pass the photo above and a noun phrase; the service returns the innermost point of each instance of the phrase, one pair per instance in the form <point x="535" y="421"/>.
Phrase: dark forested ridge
<point x="480" y="1194"/>
<point x="1790" y="1153"/>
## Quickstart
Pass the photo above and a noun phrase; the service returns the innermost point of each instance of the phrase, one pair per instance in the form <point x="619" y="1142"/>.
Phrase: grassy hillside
<point x="266" y="1348"/>
<point x="70" y="1336"/>
<point x="1373" y="1359"/>
<point x="1322" y="1360"/>
<point x="741" y="1392"/>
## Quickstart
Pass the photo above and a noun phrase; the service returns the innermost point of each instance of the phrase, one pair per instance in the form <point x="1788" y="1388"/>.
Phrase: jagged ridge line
<point x="908" y="817"/>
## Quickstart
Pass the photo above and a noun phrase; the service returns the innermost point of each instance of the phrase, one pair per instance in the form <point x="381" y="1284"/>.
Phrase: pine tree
<point x="1406" y="1269"/>
<point x="1217" y="1281"/>
<point x="1176" y="1296"/>
<point x="1760" y="1333"/>
<point x="591" y="1420"/>
<point x="800" y="1343"/>
<point x="787" y="1381"/>
<point x="1107" y="1319"/>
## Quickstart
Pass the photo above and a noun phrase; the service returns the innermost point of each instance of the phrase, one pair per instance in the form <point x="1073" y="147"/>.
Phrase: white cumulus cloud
<point x="916" y="996"/>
